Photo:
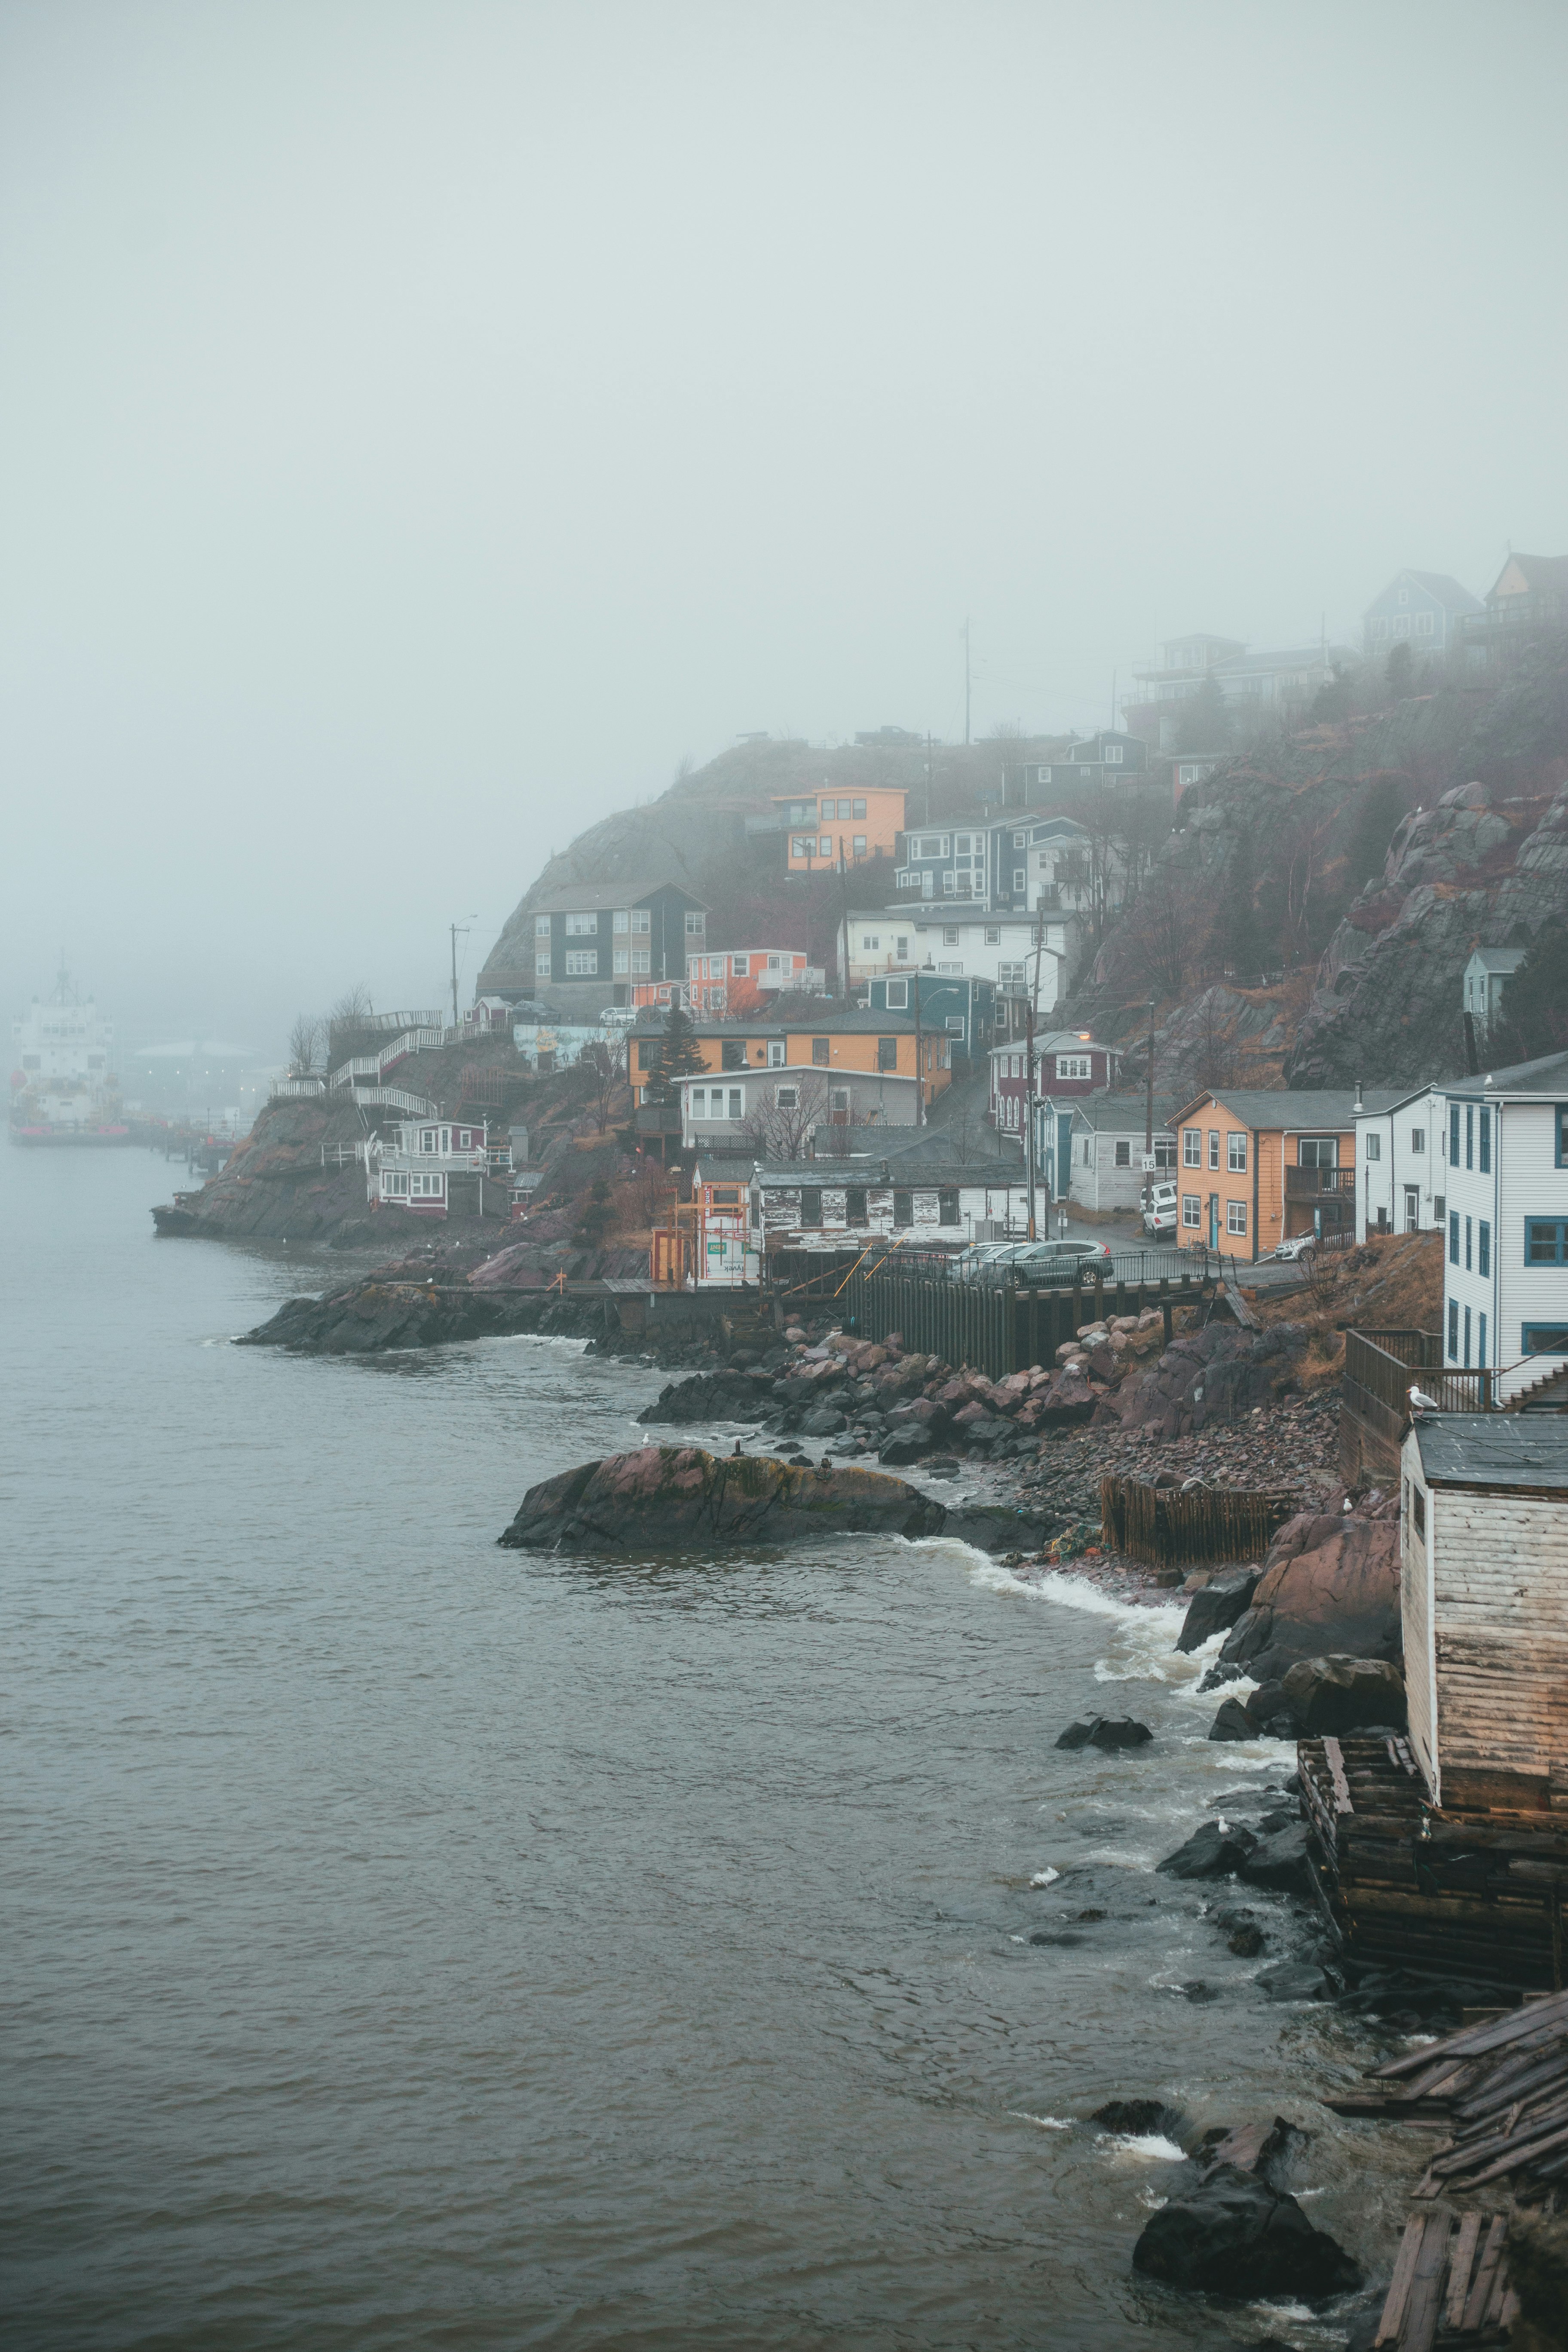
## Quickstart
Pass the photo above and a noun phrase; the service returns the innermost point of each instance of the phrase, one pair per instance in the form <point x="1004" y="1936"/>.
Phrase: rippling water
<point x="411" y="1943"/>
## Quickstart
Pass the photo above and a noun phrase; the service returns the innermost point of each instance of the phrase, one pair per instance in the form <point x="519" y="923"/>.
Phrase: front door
<point x="1412" y="1208"/>
<point x="1214" y="1221"/>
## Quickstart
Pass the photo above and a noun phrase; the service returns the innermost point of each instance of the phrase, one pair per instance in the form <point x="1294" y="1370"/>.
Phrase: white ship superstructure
<point x="63" y="1087"/>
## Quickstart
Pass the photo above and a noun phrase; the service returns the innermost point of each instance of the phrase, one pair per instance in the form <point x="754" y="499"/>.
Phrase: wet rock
<point x="1294" y="1981"/>
<point x="679" y="1497"/>
<point x="1232" y="1722"/>
<point x="1138" y="2118"/>
<point x="1236" y="2235"/>
<point x="1106" y="1731"/>
<point x="823" y="1422"/>
<point x="1271" y="1714"/>
<point x="1329" y="1586"/>
<point x="1332" y="1694"/>
<point x="1217" y="1850"/>
<point x="1259" y="2147"/>
<point x="996" y="1530"/>
<point x="906" y="1444"/>
<point x="711" y="1396"/>
<point x="1216" y="1606"/>
<point x="1279" y="1862"/>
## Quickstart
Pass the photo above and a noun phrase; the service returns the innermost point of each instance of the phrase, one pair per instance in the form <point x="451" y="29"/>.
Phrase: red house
<point x="1067" y="1062"/>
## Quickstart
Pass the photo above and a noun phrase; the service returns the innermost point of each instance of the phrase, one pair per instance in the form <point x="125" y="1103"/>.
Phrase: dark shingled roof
<point x="1494" y="1449"/>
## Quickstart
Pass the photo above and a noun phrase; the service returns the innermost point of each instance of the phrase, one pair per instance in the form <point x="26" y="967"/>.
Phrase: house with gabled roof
<point x="1422" y="609"/>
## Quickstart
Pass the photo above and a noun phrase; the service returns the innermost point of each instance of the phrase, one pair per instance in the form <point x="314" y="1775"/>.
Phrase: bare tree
<point x="603" y="1067"/>
<point x="351" y="1006"/>
<point x="778" y="1129"/>
<point x="1305" y="855"/>
<point x="304" y="1045"/>
<point x="1171" y="924"/>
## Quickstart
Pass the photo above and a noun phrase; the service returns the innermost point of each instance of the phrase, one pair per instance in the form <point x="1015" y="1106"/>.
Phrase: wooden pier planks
<point x="1445" y="2276"/>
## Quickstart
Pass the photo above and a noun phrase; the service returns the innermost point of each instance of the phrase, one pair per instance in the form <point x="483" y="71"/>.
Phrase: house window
<point x="1012" y="975"/>
<point x="1192" y="1210"/>
<point x="856" y="809"/>
<point x="950" y="935"/>
<point x="901" y="945"/>
<point x="737" y="1100"/>
<point x="824" y="846"/>
<point x="1419" y="1514"/>
<point x="622" y="961"/>
<point x="1453" y="1135"/>
<point x="855" y="1206"/>
<point x="1112" y="754"/>
<point x="898" y="995"/>
<point x="1466" y="1245"/>
<point x="994" y="930"/>
<point x="1453" y="1330"/>
<point x="740" y="966"/>
<point x="887" y="1053"/>
<point x="1214" y="1146"/>
<point x="1235" y="1216"/>
<point x="1453" y="1237"/>
<point x="869" y="942"/>
<point x="582" y="964"/>
<point x="1486" y="1141"/>
<point x="541" y="967"/>
<point x="820" y="1051"/>
<point x="1087" y="1154"/>
<point x="1192" y="1146"/>
<point x="1466" y="1357"/>
<point x="859" y="844"/>
<point x="949" y="886"/>
<point x="620" y="921"/>
<point x="1318" y="1151"/>
<point x="1543" y="1340"/>
<point x="1563" y="1135"/>
<point x="1545" y="1240"/>
<point x="955" y="1024"/>
<point x="1481" y="1341"/>
<point x="952" y="968"/>
<point x="801" y="847"/>
<point x="1238" y="1155"/>
<point x="641" y="958"/>
<point x="1123" y="1152"/>
<point x="642" y="920"/>
<point x="947" y="1206"/>
<point x="1074" y="1066"/>
<point x="777" y="1054"/>
<point x="787" y="1097"/>
<point x="732" y="1054"/>
<point x="582" y="927"/>
<point x="810" y="1204"/>
<point x="1374" y="1147"/>
<point x="1483" y="1247"/>
<point x="1164" y="1151"/>
<point x="699" y="1097"/>
<point x="1469" y="1135"/>
<point x="1417" y="1139"/>
<point x="648" y="1053"/>
<point x="838" y="1102"/>
<point x="1423" y="624"/>
<point x="1020" y="879"/>
<point x="541" y="927"/>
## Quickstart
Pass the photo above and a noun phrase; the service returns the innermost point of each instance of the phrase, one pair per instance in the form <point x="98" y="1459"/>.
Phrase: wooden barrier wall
<point x="1171" y="1529"/>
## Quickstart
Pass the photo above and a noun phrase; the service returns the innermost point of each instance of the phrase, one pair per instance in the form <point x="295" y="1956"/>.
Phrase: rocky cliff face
<point x="1476" y="870"/>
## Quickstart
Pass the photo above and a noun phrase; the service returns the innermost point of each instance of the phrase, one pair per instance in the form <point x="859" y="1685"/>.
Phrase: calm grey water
<point x="411" y="1943"/>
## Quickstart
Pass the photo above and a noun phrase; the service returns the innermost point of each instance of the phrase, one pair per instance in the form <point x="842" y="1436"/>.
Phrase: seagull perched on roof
<point x="1420" y="1401"/>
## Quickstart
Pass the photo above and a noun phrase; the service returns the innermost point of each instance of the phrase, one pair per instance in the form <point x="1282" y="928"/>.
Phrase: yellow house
<point x="889" y="1044"/>
<point x="1256" y="1168"/>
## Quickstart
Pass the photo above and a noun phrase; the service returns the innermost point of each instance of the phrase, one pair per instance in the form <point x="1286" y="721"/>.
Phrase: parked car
<point x="979" y="1253"/>
<point x="1060" y="1261"/>
<point x="1299" y="1245"/>
<point x="1163" y="1209"/>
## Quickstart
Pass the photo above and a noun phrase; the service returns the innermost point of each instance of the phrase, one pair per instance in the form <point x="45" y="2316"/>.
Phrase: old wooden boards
<point x="1471" y="1894"/>
<point x="1450" y="2273"/>
<point x="1211" y="1523"/>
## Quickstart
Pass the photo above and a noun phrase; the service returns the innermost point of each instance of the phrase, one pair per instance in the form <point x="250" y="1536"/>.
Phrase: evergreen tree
<point x="1203" y="723"/>
<point x="680" y="1055"/>
<point x="1534" y="1018"/>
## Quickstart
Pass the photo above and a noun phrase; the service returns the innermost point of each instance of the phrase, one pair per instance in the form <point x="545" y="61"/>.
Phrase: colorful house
<point x="1256" y="1168"/>
<point x="831" y="1042"/>
<point x="732" y="978"/>
<point x="824" y="830"/>
<point x="418" y="1164"/>
<point x="1067" y="1062"/>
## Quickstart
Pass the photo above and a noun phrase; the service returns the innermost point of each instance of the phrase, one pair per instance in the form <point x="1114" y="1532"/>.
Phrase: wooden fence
<point x="1173" y="1529"/>
<point x="1386" y="1364"/>
<point x="1002" y="1327"/>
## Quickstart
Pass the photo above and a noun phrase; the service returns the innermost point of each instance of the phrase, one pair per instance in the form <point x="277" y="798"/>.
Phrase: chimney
<point x="1358" y="1094"/>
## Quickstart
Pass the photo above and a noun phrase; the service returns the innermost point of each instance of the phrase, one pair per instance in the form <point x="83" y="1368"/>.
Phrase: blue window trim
<point x="1559" y="1228"/>
<point x="1453" y="1135"/>
<point x="1469" y="1135"/>
<point x="1536" y="1339"/>
<point x="1483" y="1247"/>
<point x="1560" y="1113"/>
<point x="1453" y="1237"/>
<point x="1469" y="1240"/>
<point x="1453" y="1330"/>
<point x="1485" y="1140"/>
<point x="1481" y="1341"/>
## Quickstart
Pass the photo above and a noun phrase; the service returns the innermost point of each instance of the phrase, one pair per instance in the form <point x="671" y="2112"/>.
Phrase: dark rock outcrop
<point x="1106" y="1731"/>
<point x="1329" y="1586"/>
<point x="1280" y="1861"/>
<point x="1232" y="1722"/>
<point x="1213" y="1375"/>
<point x="1259" y="2147"/>
<point x="709" y="1396"/>
<point x="1236" y="2235"/>
<point x="1212" y="1851"/>
<point x="1137" y="2117"/>
<point x="372" y="1316"/>
<point x="680" y="1498"/>
<point x="1328" y="1696"/>
<point x="1216" y="1607"/>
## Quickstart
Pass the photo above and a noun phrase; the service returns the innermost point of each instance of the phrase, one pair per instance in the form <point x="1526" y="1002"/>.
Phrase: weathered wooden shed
<point x="1484" y="1599"/>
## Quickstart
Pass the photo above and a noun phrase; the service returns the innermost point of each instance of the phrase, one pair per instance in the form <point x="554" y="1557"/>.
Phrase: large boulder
<point x="1215" y="1608"/>
<point x="1217" y="1374"/>
<point x="1215" y="1850"/>
<point x="1328" y="1696"/>
<point x="1106" y="1731"/>
<point x="1329" y="1586"/>
<point x="1280" y="1861"/>
<point x="1236" y="2235"/>
<point x="672" y="1498"/>
<point x="711" y="1396"/>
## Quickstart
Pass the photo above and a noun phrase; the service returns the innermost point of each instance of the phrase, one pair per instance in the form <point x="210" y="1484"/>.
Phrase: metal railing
<point x="1305" y="1182"/>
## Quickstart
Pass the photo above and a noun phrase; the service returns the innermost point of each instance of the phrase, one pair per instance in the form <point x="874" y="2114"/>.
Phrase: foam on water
<point x="1152" y="2148"/>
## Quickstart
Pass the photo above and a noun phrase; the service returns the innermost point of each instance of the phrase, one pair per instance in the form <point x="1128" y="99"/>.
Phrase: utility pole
<point x="920" y="1056"/>
<point x="1149" y="1118"/>
<point x="457" y="933"/>
<point x="966" y="686"/>
<point x="928" y="775"/>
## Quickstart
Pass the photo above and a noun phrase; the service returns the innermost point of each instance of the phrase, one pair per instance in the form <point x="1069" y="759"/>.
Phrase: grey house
<point x="1422" y="609"/>
<point x="593" y="942"/>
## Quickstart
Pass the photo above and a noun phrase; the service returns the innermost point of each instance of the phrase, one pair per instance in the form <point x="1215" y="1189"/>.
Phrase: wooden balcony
<point x="1308" y="1183"/>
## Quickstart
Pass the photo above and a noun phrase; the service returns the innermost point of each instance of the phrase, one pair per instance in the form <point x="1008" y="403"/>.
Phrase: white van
<point x="1160" y="1215"/>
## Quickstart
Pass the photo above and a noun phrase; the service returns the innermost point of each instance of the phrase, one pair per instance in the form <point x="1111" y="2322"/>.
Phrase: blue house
<point x="963" y="1009"/>
<point x="1423" y="609"/>
<point x="1008" y="866"/>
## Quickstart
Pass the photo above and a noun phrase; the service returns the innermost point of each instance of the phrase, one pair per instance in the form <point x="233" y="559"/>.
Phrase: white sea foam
<point x="1042" y="2122"/>
<point x="1045" y="1877"/>
<point x="1152" y="2147"/>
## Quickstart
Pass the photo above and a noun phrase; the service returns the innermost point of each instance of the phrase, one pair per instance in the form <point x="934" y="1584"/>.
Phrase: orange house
<point x="1254" y="1167"/>
<point x="825" y="829"/>
<point x="885" y="1043"/>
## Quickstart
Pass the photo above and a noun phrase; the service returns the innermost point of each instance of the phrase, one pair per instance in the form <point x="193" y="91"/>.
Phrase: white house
<point x="1484" y="1600"/>
<point x="965" y="944"/>
<point x="413" y="1167"/>
<point x="1400" y="1166"/>
<point x="1095" y="1142"/>
<point x="784" y="1104"/>
<point x="826" y="1204"/>
<point x="1505" y="1302"/>
<point x="1487" y="976"/>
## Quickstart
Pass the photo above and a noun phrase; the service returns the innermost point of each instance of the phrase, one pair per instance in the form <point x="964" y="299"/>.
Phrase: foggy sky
<point x="425" y="424"/>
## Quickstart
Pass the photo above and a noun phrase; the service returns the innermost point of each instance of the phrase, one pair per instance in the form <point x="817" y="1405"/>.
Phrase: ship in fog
<point x="63" y="1087"/>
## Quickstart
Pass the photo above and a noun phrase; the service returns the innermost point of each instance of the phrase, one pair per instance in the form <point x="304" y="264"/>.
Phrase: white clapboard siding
<point x="1415" y="1601"/>
<point x="1499" y="1632"/>
<point x="1529" y="1184"/>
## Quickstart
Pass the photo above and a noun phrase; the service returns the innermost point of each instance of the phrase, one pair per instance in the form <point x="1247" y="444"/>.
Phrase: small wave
<point x="1042" y="2122"/>
<point x="1151" y="2146"/>
<point x="1045" y="1877"/>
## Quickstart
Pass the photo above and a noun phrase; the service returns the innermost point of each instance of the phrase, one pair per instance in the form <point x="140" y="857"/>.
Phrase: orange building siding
<point x="1244" y="1210"/>
<point x="849" y="838"/>
<point x="846" y="1050"/>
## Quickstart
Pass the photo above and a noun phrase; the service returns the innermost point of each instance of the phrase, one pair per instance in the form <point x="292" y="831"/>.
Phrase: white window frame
<point x="1235" y="1217"/>
<point x="1192" y="1210"/>
<point x="582" y="927"/>
<point x="1235" y="1153"/>
<point x="1192" y="1146"/>
<point x="582" y="964"/>
<point x="1075" y="1066"/>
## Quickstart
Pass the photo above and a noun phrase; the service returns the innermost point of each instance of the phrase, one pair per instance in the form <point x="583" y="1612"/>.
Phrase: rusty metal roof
<point x="1494" y="1449"/>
